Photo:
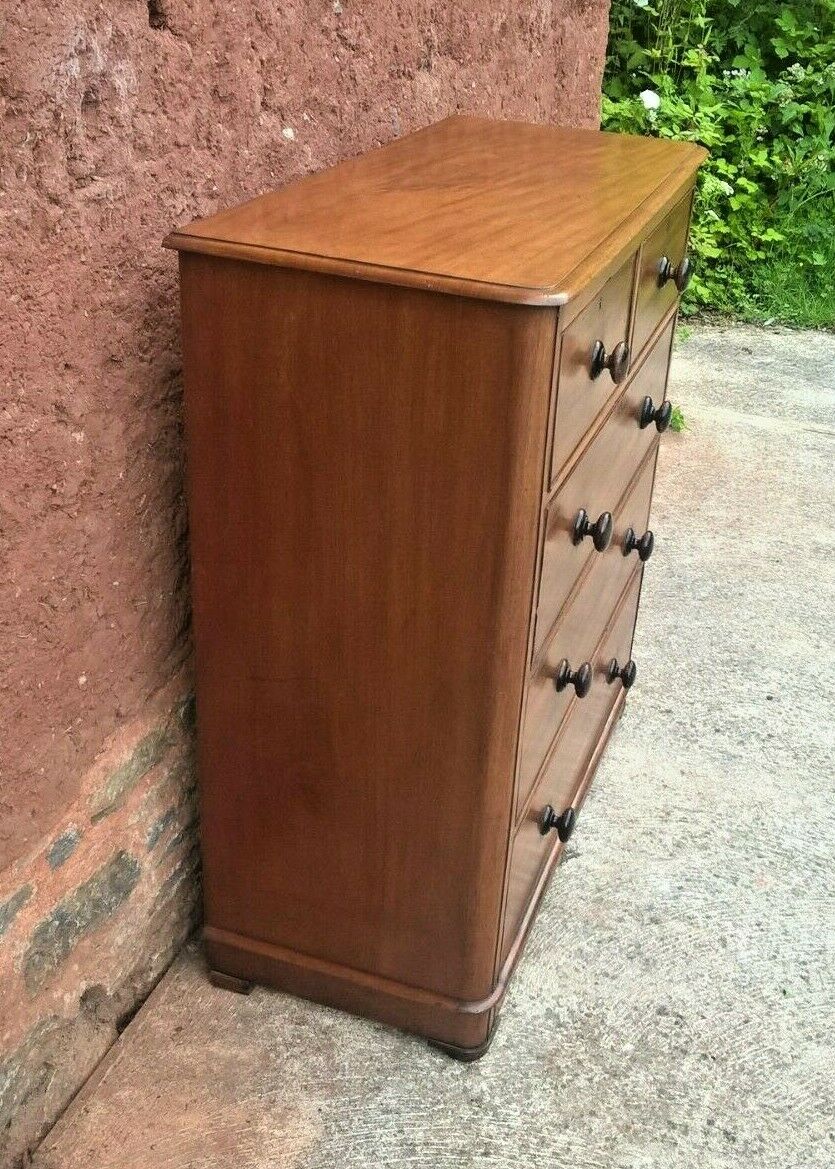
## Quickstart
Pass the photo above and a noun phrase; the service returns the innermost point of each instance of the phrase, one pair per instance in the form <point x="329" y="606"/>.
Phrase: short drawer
<point x="562" y="783"/>
<point x="597" y="484"/>
<point x="661" y="274"/>
<point x="581" y="624"/>
<point x="580" y="395"/>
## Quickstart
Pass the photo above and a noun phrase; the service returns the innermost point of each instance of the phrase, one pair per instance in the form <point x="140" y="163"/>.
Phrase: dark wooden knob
<point x="642" y="544"/>
<point x="617" y="362"/>
<point x="580" y="678"/>
<point x="564" y="822"/>
<point x="681" y="274"/>
<point x="660" y="415"/>
<point x="627" y="673"/>
<point x="600" y="530"/>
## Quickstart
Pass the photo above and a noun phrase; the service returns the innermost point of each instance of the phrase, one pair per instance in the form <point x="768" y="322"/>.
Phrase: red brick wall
<point x="119" y="122"/>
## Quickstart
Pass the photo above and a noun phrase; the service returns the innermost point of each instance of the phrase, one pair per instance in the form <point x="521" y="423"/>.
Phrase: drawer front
<point x="581" y="624"/>
<point x="654" y="298"/>
<point x="580" y="398"/>
<point x="597" y="484"/>
<point x="567" y="766"/>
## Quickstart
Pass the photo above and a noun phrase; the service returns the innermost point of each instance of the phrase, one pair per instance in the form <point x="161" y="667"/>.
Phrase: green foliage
<point x="677" y="420"/>
<point x="785" y="291"/>
<point x="755" y="84"/>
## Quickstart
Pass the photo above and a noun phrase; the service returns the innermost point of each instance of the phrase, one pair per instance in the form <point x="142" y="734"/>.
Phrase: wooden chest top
<point x="496" y="210"/>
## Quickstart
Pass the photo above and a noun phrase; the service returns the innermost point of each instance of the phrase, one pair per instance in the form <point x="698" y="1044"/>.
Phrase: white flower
<point x="650" y="99"/>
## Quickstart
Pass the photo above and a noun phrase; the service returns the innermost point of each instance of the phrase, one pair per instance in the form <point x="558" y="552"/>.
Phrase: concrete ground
<point x="675" y="1007"/>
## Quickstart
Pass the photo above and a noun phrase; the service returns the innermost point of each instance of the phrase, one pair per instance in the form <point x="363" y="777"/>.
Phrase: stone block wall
<point x="91" y="917"/>
<point x="121" y="120"/>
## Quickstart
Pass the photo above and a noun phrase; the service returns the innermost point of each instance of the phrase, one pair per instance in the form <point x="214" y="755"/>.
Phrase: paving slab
<point x="675" y="1005"/>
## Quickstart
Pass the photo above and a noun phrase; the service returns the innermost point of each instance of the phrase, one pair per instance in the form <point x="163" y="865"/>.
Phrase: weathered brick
<point x="40" y="1076"/>
<point x="187" y="713"/>
<point x="159" y="826"/>
<point x="174" y="784"/>
<point x="186" y="870"/>
<point x="178" y="790"/>
<point x="18" y="1079"/>
<point x="146" y="755"/>
<point x="12" y="907"/>
<point x="77" y="915"/>
<point x="63" y="847"/>
<point x="187" y="832"/>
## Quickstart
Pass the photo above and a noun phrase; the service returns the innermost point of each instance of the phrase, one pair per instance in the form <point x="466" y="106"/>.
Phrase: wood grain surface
<point x="502" y="210"/>
<point x="364" y="510"/>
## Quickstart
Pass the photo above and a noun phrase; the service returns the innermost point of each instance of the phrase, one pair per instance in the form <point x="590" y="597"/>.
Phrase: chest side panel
<point x="364" y="467"/>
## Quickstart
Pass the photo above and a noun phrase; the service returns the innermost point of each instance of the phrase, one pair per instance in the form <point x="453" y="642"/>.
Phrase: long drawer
<point x="580" y="626"/>
<point x="568" y="762"/>
<point x="598" y="483"/>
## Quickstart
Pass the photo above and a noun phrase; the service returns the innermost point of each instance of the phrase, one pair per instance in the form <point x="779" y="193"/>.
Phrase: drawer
<point x="561" y="785"/>
<point x="597" y="484"/>
<point x="580" y="626"/>
<point x="656" y="295"/>
<point x="581" y="397"/>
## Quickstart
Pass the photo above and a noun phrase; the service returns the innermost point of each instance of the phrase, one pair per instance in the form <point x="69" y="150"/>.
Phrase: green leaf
<point x="678" y="422"/>
<point x="756" y="85"/>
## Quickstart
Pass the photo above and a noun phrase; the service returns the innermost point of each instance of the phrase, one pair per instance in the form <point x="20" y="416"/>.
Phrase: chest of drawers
<point x="424" y="392"/>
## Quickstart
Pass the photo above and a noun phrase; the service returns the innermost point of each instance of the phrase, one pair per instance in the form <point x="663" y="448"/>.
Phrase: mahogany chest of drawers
<point x="424" y="392"/>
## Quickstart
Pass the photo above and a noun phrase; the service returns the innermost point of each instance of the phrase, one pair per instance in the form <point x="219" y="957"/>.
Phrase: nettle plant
<point x="756" y="86"/>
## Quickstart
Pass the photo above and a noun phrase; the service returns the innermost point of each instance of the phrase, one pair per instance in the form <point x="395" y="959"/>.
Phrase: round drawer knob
<point x="600" y="531"/>
<point x="580" y="678"/>
<point x="660" y="415"/>
<point x="627" y="673"/>
<point x="564" y="822"/>
<point x="617" y="362"/>
<point x="642" y="544"/>
<point x="681" y="274"/>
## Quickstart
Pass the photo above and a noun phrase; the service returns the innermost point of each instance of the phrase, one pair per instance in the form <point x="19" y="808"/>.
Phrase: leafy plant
<point x="677" y="420"/>
<point x="756" y="86"/>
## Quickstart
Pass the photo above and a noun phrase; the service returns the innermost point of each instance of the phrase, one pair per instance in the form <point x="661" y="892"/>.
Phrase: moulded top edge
<point x="497" y="210"/>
